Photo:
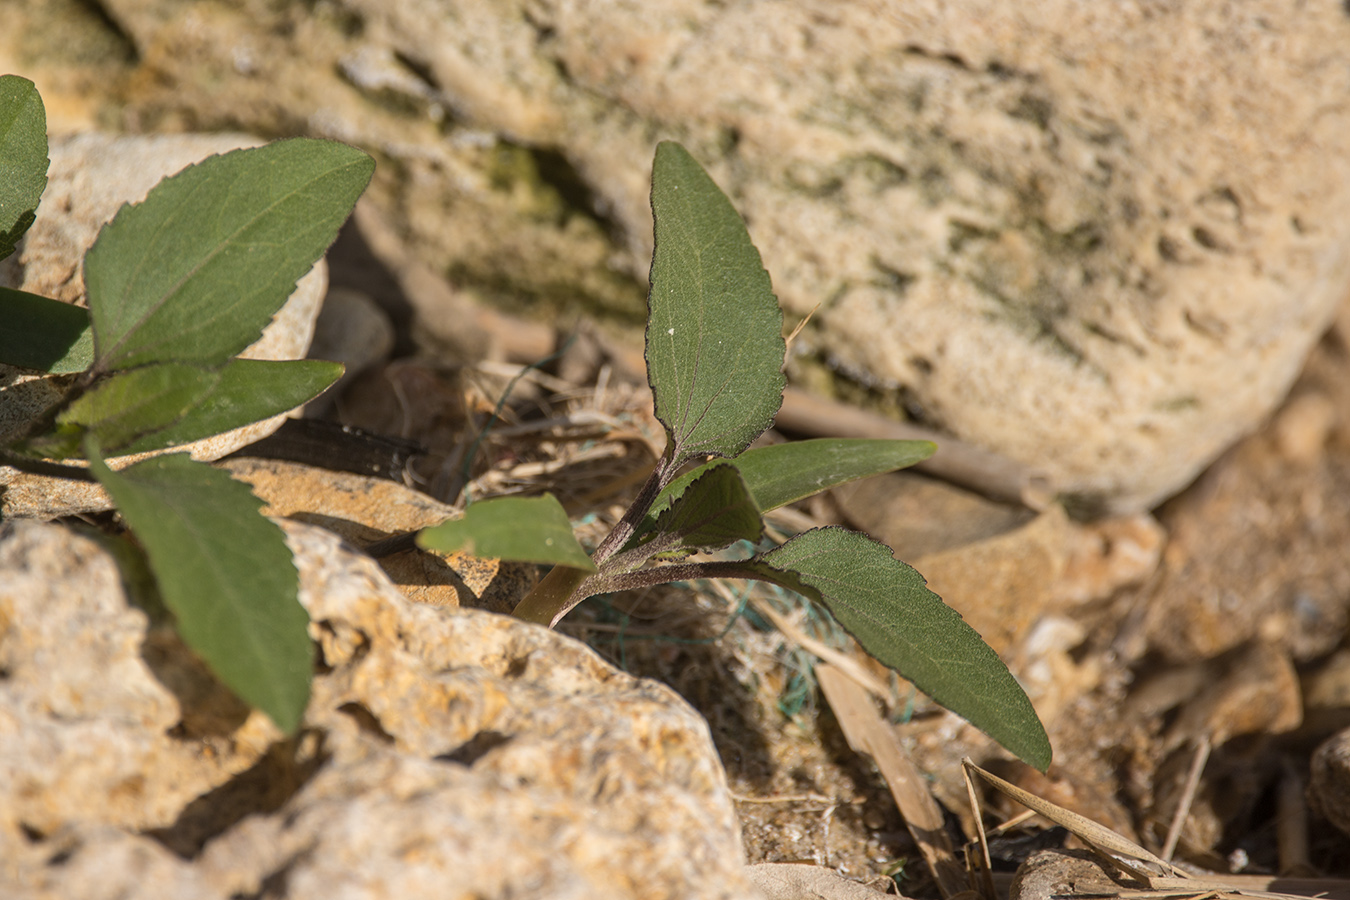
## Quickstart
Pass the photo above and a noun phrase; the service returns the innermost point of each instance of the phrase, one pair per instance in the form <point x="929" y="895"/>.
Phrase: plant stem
<point x="552" y="597"/>
<point x="564" y="587"/>
<point x="632" y="517"/>
<point x="669" y="574"/>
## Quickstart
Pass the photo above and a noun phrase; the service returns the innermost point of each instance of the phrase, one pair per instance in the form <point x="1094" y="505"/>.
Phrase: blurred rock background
<point x="1100" y="240"/>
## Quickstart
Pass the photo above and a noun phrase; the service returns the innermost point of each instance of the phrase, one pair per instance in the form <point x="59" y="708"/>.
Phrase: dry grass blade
<point x="797" y="329"/>
<point x="1198" y="760"/>
<point x="987" y="889"/>
<point x="1122" y="851"/>
<point x="1230" y="888"/>
<point x="1166" y="882"/>
<point x="868" y="733"/>
<point x="838" y="659"/>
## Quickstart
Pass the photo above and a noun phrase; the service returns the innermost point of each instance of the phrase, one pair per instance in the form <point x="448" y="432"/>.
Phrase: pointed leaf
<point x="716" y="511"/>
<point x="714" y="330"/>
<point x="785" y="473"/>
<point x="43" y="334"/>
<point x="23" y="158"/>
<point x="120" y="411"/>
<point x="888" y="608"/>
<point x="247" y="391"/>
<point x="523" y="529"/>
<point x="195" y="272"/>
<point x="226" y="574"/>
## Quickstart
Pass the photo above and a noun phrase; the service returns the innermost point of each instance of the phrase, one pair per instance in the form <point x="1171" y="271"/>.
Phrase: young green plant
<point x="714" y="354"/>
<point x="177" y="287"/>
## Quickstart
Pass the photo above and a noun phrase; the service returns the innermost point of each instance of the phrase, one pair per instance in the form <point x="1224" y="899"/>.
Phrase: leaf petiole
<point x="553" y="597"/>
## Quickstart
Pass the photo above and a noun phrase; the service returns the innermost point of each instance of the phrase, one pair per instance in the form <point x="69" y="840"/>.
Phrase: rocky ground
<point x="1218" y="620"/>
<point x="1202" y="640"/>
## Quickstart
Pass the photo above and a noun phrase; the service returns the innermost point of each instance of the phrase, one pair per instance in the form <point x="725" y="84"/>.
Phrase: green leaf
<point x="523" y="529"/>
<point x="888" y="608"/>
<point x="196" y="271"/>
<point x="247" y="391"/>
<point x="154" y="407"/>
<point x="120" y="411"/>
<point x="23" y="158"/>
<point x="716" y="511"/>
<point x="785" y="473"/>
<point x="714" y="330"/>
<point x="226" y="574"/>
<point x="43" y="334"/>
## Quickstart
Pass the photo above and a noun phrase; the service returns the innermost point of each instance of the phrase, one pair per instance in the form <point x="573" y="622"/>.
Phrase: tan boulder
<point x="443" y="750"/>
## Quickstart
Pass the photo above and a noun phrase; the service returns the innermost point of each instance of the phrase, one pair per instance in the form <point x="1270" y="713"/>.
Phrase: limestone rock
<point x="103" y="863"/>
<point x="1007" y="584"/>
<point x="443" y="750"/>
<point x="90" y="177"/>
<point x="88" y="702"/>
<point x="364" y="510"/>
<point x="1255" y="553"/>
<point x="1100" y="239"/>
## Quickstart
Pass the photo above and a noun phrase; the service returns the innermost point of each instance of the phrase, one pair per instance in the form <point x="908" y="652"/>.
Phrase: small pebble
<point x="1303" y="426"/>
<point x="1329" y="787"/>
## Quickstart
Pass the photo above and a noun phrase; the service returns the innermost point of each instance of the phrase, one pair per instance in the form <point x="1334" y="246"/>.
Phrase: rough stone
<point x="1251" y="694"/>
<point x="1329" y="788"/>
<point x="1255" y="549"/>
<point x="1053" y="873"/>
<point x="1008" y="584"/>
<point x="1326" y="694"/>
<point x="796" y="881"/>
<point x="85" y="718"/>
<point x="1098" y="239"/>
<point x="918" y="516"/>
<point x="91" y="176"/>
<point x="442" y="750"/>
<point x="364" y="510"/>
<point x="353" y="330"/>
<point x="103" y="863"/>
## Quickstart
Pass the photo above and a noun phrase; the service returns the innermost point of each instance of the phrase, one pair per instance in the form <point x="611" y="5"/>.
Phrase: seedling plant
<point x="177" y="287"/>
<point x="180" y="284"/>
<point x="715" y="350"/>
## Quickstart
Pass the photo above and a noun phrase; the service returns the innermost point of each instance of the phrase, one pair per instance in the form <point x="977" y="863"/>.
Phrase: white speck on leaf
<point x="670" y="331"/>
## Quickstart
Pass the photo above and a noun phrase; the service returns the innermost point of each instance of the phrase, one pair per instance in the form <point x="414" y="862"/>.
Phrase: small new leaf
<point x="44" y="335"/>
<point x="714" y="512"/>
<point x="714" y="330"/>
<point x="785" y="473"/>
<point x="888" y="608"/>
<point x="23" y="158"/>
<point x="523" y="529"/>
<point x="225" y="572"/>
<point x="195" y="272"/>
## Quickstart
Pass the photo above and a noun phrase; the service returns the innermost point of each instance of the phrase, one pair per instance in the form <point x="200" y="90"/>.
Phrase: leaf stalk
<point x="553" y="597"/>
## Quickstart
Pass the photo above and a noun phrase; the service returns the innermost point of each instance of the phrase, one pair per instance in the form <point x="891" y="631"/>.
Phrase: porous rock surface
<point x="1099" y="238"/>
<point x="444" y="752"/>
<point x="90" y="177"/>
<point x="362" y="510"/>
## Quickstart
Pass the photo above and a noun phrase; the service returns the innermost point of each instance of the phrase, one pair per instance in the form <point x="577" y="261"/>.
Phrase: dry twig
<point x="869" y="734"/>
